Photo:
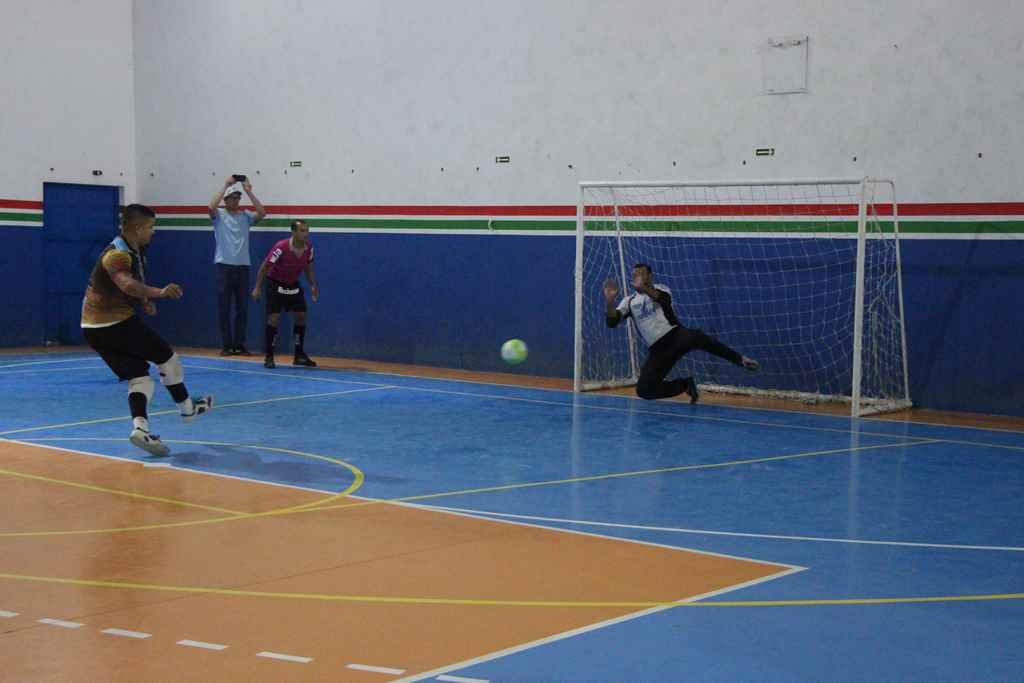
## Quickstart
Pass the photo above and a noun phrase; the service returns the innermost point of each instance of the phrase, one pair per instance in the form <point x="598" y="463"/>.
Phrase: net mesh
<point x="770" y="270"/>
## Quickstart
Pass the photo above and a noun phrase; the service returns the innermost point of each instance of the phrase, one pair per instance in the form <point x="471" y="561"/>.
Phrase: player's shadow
<point x="263" y="465"/>
<point x="385" y="479"/>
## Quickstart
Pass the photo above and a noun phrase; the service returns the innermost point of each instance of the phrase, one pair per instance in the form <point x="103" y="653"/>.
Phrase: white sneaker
<point x="750" y="364"/>
<point x="150" y="443"/>
<point x="199" y="406"/>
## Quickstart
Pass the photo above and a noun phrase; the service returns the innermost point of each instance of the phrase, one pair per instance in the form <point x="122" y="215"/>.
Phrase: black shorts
<point x="285" y="297"/>
<point x="128" y="347"/>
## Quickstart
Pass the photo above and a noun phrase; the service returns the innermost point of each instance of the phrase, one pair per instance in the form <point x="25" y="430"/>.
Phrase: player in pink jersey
<point x="286" y="261"/>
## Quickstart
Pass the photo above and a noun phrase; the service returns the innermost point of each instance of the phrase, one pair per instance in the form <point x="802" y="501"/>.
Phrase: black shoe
<point x="268" y="362"/>
<point x="227" y="351"/>
<point x="242" y="351"/>
<point x="304" y="360"/>
<point x="692" y="389"/>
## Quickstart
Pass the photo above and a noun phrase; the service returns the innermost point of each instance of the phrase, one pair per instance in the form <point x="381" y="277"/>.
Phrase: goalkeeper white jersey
<point x="653" y="321"/>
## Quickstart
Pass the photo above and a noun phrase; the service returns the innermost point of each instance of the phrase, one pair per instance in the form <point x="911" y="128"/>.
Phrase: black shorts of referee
<point x="128" y="347"/>
<point x="282" y="296"/>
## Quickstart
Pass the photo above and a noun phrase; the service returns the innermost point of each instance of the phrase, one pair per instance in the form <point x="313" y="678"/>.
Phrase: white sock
<point x="187" y="407"/>
<point x="140" y="423"/>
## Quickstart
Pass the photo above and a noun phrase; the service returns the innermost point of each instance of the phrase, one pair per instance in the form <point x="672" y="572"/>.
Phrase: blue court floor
<point x="910" y="536"/>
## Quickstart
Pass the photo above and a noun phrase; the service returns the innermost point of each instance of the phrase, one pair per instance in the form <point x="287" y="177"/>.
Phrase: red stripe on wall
<point x="182" y="209"/>
<point x="19" y="204"/>
<point x="429" y="210"/>
<point x="930" y="209"/>
<point x="685" y="210"/>
<point x="964" y="209"/>
<point x="380" y="210"/>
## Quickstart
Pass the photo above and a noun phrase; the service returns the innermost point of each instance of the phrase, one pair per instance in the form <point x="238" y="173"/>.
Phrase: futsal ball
<point x="513" y="351"/>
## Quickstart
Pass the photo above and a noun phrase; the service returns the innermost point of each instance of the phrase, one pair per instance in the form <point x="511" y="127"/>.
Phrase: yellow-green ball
<point x="514" y="351"/>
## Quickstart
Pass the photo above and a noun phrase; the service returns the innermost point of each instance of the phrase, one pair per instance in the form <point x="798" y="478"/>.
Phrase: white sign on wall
<point x="784" y="65"/>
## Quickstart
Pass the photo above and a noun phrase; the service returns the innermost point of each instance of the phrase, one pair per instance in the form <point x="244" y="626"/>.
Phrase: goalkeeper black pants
<point x="667" y="351"/>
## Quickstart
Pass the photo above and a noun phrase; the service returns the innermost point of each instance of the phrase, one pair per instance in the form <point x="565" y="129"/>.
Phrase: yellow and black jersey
<point x="104" y="303"/>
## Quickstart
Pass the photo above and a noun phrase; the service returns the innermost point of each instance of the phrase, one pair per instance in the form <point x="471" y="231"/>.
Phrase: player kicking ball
<point x="127" y="345"/>
<point x="667" y="340"/>
<point x="284" y="263"/>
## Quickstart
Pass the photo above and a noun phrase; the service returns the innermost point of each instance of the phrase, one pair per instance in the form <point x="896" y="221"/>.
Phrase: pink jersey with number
<point x="284" y="265"/>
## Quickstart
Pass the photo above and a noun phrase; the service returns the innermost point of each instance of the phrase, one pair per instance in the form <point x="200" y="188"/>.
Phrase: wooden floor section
<point x="359" y="582"/>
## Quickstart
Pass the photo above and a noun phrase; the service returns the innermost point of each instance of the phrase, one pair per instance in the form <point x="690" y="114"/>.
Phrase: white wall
<point x="66" y="75"/>
<point x="397" y="90"/>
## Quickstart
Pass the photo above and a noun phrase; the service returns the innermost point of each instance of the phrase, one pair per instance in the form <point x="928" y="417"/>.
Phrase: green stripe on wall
<point x="838" y="227"/>
<point x="9" y="216"/>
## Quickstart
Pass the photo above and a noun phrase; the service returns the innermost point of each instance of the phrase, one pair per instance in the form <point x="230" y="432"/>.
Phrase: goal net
<point x="801" y="275"/>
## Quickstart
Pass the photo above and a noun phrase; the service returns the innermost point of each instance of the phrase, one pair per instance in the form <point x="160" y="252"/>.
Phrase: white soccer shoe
<point x="199" y="406"/>
<point x="150" y="443"/>
<point x="750" y="364"/>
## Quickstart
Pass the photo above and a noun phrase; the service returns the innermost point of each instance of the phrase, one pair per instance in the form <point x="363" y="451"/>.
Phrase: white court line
<point x="46" y="362"/>
<point x="634" y="399"/>
<point x="667" y="413"/>
<point x="710" y="418"/>
<point x="38" y="442"/>
<point x="461" y="679"/>
<point x="584" y="629"/>
<point x="560" y="391"/>
<point x="36" y="372"/>
<point x="219" y="406"/>
<point x="787" y="568"/>
<point x="127" y="634"/>
<point x="275" y="373"/>
<point x="202" y="645"/>
<point x="375" y="669"/>
<point x="61" y="623"/>
<point x="285" y="658"/>
<point x="819" y="539"/>
<point x="7" y="615"/>
<point x="633" y="410"/>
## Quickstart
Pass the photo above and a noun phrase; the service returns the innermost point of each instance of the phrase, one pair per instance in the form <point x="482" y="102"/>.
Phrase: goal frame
<point x="856" y="400"/>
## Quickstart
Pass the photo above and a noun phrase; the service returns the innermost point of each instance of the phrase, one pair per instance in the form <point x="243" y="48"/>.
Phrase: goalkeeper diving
<point x="667" y="340"/>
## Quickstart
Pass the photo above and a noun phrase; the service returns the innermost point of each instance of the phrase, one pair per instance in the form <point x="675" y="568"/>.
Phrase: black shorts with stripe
<point x="282" y="296"/>
<point x="128" y="347"/>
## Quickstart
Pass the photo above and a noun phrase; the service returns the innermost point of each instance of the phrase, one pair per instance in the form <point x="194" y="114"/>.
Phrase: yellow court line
<point x="594" y="604"/>
<point x="662" y="470"/>
<point x="117" y="492"/>
<point x="318" y="506"/>
<point x="357" y="481"/>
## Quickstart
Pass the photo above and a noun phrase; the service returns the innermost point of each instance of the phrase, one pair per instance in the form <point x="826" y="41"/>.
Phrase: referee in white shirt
<point x="667" y="341"/>
<point x="231" y="234"/>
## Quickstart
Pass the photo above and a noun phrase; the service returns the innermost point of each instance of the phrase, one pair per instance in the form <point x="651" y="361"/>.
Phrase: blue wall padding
<point x="22" y="316"/>
<point x="451" y="300"/>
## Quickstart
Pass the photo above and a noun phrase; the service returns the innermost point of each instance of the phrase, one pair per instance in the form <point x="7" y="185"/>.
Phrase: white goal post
<point x="802" y="275"/>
